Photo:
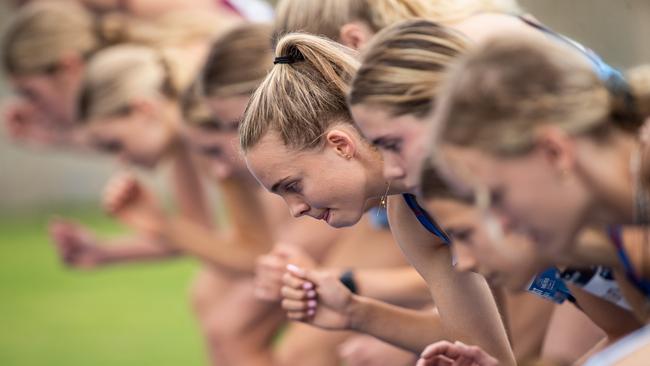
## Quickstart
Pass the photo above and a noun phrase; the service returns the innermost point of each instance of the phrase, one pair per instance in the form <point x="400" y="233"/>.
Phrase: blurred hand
<point x="455" y="354"/>
<point x="317" y="298"/>
<point x="26" y="126"/>
<point x="271" y="267"/>
<point x="77" y="247"/>
<point x="133" y="204"/>
<point x="364" y="350"/>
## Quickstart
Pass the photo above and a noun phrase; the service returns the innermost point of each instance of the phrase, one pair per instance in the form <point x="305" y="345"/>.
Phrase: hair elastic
<point x="292" y="57"/>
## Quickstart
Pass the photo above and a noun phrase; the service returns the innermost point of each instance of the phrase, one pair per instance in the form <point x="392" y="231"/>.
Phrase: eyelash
<point x="462" y="235"/>
<point x="293" y="187"/>
<point x="392" y="145"/>
<point x="111" y="146"/>
<point x="212" y="151"/>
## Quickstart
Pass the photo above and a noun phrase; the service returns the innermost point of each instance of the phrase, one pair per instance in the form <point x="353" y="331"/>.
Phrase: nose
<point x="465" y="261"/>
<point x="392" y="169"/>
<point x="297" y="207"/>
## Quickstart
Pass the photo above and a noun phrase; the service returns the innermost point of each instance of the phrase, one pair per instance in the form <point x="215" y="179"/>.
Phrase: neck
<point x="376" y="185"/>
<point x="593" y="247"/>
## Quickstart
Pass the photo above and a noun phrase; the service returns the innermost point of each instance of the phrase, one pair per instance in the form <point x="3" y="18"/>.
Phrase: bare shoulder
<point x="483" y="27"/>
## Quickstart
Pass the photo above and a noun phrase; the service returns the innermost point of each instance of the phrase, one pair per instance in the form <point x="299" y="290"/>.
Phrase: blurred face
<point x="528" y="193"/>
<point x="402" y="141"/>
<point x="217" y="151"/>
<point x="139" y="137"/>
<point x="479" y="245"/>
<point x="329" y="183"/>
<point x="217" y="142"/>
<point x="52" y="94"/>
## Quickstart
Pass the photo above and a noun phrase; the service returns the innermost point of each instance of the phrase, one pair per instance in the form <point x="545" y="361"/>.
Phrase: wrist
<point x="348" y="279"/>
<point x="356" y="313"/>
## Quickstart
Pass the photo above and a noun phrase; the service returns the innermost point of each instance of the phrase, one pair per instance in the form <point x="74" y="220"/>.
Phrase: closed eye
<point x="111" y="146"/>
<point x="212" y="151"/>
<point x="293" y="187"/>
<point x="461" y="235"/>
<point x="390" y="144"/>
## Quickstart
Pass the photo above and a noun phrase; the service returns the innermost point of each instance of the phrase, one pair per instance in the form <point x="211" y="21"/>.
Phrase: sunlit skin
<point x="508" y="260"/>
<point x="143" y="136"/>
<point x="331" y="183"/>
<point x="402" y="141"/>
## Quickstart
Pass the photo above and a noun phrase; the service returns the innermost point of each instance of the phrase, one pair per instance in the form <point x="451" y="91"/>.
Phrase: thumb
<point x="304" y="274"/>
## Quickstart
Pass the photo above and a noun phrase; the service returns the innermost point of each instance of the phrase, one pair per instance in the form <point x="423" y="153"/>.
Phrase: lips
<point x="324" y="216"/>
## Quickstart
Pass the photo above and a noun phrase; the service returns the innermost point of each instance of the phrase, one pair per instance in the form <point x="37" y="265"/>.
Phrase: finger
<point x="435" y="349"/>
<point x="293" y="294"/>
<point x="295" y="282"/>
<point x="297" y="305"/>
<point x="272" y="262"/>
<point x="298" y="315"/>
<point x="435" y="361"/>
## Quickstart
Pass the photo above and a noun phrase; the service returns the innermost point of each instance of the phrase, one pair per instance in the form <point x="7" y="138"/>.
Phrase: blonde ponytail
<point x="303" y="95"/>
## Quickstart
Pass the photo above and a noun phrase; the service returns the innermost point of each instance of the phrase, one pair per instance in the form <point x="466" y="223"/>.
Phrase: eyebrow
<point x="274" y="187"/>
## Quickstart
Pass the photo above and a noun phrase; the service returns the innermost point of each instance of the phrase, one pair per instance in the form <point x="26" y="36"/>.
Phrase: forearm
<point x="189" y="189"/>
<point x="246" y="214"/>
<point x="230" y="253"/>
<point x="467" y="309"/>
<point x="134" y="249"/>
<point x="387" y="322"/>
<point x="401" y="286"/>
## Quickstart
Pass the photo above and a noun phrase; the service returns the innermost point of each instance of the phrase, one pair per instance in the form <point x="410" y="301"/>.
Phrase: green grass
<point x="127" y="315"/>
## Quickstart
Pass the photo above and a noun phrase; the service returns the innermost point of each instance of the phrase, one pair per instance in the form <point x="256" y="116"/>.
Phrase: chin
<point x="338" y="223"/>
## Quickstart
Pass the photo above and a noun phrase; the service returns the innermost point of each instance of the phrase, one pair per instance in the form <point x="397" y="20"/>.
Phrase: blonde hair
<point x="302" y="99"/>
<point x="42" y="32"/>
<point x="499" y="93"/>
<point x="326" y="17"/>
<point x="194" y="108"/>
<point x="238" y="61"/>
<point x="404" y="66"/>
<point x="118" y="74"/>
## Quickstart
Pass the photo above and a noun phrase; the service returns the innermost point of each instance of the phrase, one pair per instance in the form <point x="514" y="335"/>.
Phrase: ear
<point x="355" y="35"/>
<point x="342" y="142"/>
<point x="557" y="147"/>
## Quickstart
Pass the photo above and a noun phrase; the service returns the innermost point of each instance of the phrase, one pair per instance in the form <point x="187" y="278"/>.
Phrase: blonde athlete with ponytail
<point x="299" y="142"/>
<point x="231" y="75"/>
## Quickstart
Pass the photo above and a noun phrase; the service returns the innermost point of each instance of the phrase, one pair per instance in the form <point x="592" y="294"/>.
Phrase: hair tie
<point x="292" y="57"/>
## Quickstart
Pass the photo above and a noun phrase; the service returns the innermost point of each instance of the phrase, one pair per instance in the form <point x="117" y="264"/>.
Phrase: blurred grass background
<point x="125" y="315"/>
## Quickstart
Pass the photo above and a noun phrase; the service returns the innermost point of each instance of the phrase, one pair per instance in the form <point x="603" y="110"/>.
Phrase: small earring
<point x="347" y="156"/>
